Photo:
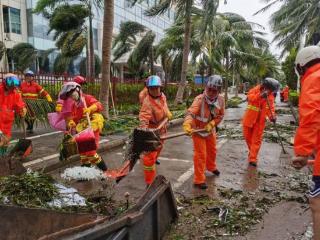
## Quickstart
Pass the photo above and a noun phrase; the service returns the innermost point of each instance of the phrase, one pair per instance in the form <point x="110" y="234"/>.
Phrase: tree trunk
<point x="186" y="50"/>
<point x="226" y="80"/>
<point x="106" y="54"/>
<point x="237" y="84"/>
<point x="91" y="50"/>
<point x="152" y="61"/>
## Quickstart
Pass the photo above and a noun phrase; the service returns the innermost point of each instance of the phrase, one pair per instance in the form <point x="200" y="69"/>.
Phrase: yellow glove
<point x="49" y="99"/>
<point x="82" y="125"/>
<point x="169" y="115"/>
<point x="187" y="128"/>
<point x="93" y="108"/>
<point x="71" y="124"/>
<point x="59" y="107"/>
<point x="209" y="127"/>
<point x="23" y="112"/>
<point x="97" y="122"/>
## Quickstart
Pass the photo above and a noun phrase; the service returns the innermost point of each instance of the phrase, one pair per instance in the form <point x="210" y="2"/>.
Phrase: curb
<point x="54" y="164"/>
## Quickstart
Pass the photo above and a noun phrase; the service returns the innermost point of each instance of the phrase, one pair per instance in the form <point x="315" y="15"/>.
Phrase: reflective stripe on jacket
<point x="257" y="109"/>
<point x="32" y="90"/>
<point x="153" y="111"/>
<point x="200" y="113"/>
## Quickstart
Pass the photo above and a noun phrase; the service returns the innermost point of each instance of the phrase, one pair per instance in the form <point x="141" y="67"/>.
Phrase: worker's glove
<point x="93" y="108"/>
<point x="187" y="128"/>
<point x="82" y="125"/>
<point x="264" y="94"/>
<point x="59" y="107"/>
<point x="97" y="122"/>
<point x="299" y="162"/>
<point x="169" y="115"/>
<point x="48" y="97"/>
<point x="23" y="112"/>
<point x="273" y="119"/>
<point x="71" y="124"/>
<point x="4" y="140"/>
<point x="209" y="127"/>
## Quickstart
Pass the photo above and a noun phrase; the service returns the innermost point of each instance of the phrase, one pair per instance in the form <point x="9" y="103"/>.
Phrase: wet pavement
<point x="285" y="220"/>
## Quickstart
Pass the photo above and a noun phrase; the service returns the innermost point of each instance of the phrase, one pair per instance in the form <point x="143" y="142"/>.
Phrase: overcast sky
<point x="247" y="8"/>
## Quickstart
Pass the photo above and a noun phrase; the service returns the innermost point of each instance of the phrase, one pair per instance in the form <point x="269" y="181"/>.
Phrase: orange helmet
<point x="80" y="80"/>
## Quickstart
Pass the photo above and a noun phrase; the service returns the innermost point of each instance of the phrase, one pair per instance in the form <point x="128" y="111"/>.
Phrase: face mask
<point x="75" y="96"/>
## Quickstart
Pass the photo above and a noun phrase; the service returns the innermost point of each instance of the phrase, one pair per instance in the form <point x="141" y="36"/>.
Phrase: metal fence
<point x="53" y="83"/>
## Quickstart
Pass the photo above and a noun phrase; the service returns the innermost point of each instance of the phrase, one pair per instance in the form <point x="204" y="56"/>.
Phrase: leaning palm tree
<point x="47" y="7"/>
<point x="184" y="11"/>
<point x="295" y="23"/>
<point x="135" y="39"/>
<point x="106" y="53"/>
<point x="25" y="55"/>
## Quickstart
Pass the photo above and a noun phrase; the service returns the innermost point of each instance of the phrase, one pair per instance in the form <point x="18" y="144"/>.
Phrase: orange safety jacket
<point x="199" y="114"/>
<point x="257" y="109"/>
<point x="308" y="132"/>
<point x="153" y="111"/>
<point x="143" y="94"/>
<point x="32" y="90"/>
<point x="9" y="104"/>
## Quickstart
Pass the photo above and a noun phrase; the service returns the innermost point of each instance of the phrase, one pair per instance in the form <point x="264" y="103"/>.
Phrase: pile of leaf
<point x="38" y="110"/>
<point x="234" y="102"/>
<point x="32" y="189"/>
<point x="232" y="213"/>
<point x="120" y="124"/>
<point x="286" y="132"/>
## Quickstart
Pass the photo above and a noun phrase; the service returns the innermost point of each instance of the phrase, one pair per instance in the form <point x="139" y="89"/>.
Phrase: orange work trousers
<point x="91" y="157"/>
<point x="149" y="165"/>
<point x="253" y="136"/>
<point x="204" y="156"/>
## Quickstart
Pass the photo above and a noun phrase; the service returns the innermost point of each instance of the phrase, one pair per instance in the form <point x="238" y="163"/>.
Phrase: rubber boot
<point x="102" y="166"/>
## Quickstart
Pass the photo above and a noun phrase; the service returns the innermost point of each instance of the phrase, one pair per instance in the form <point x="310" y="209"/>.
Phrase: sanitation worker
<point x="153" y="112"/>
<point x="307" y="138"/>
<point x="77" y="79"/>
<point x="30" y="89"/>
<point x="286" y="93"/>
<point x="259" y="99"/>
<point x="76" y="119"/>
<point x="206" y="112"/>
<point x="10" y="103"/>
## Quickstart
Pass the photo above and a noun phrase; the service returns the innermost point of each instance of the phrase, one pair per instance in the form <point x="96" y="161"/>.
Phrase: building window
<point x="11" y="20"/>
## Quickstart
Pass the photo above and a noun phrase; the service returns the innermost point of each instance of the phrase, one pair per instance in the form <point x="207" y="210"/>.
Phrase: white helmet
<point x="214" y="81"/>
<point x="307" y="57"/>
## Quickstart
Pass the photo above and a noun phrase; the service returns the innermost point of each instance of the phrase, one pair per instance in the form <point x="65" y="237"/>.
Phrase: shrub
<point x="294" y="98"/>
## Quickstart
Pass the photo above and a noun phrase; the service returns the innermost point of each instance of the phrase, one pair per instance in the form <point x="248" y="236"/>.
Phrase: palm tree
<point x="295" y="21"/>
<point x="106" y="53"/>
<point x="184" y="11"/>
<point x="46" y="7"/>
<point x="25" y="56"/>
<point x="141" y="49"/>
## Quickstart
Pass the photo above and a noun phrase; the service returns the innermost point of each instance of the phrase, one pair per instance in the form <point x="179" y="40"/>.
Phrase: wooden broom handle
<point x="87" y="114"/>
<point x="162" y="124"/>
<point x="174" y="135"/>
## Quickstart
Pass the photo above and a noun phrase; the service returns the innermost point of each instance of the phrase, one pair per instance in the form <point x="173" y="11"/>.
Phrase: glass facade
<point x="124" y="12"/>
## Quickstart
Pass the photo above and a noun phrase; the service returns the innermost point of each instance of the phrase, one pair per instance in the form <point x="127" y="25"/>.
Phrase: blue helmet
<point x="29" y="73"/>
<point x="12" y="81"/>
<point x="154" y="81"/>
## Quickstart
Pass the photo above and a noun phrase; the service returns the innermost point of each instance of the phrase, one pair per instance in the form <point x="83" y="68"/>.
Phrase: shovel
<point x="276" y="127"/>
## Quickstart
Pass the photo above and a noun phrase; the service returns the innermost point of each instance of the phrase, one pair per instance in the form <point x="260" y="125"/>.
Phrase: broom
<point x="86" y="140"/>
<point x="23" y="148"/>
